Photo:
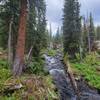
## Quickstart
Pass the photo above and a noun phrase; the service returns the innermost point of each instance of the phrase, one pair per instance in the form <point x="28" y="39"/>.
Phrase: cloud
<point x="55" y="12"/>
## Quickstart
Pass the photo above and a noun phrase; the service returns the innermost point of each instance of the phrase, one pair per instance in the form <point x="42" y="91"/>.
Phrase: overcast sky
<point x="54" y="11"/>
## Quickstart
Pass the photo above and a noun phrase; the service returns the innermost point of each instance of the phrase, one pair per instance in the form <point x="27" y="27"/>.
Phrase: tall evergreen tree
<point x="91" y="32"/>
<point x="36" y="33"/>
<point x="20" y="47"/>
<point x="71" y="27"/>
<point x="85" y="34"/>
<point x="58" y="37"/>
<point x="9" y="11"/>
<point x="98" y="33"/>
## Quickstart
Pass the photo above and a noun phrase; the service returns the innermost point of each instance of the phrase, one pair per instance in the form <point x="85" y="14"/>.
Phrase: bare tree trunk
<point x="10" y="53"/>
<point x="29" y="53"/>
<point x="89" y="44"/>
<point x="20" y="49"/>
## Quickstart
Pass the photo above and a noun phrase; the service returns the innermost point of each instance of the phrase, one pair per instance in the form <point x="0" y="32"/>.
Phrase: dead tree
<point x="10" y="53"/>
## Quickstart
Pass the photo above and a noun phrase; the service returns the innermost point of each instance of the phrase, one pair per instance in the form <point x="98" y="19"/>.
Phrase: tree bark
<point x="20" y="48"/>
<point x="10" y="53"/>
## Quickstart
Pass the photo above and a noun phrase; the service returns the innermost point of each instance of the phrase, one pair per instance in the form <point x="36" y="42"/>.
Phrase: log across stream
<point x="55" y="67"/>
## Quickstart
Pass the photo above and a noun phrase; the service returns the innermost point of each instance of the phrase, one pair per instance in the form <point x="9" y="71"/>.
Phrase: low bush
<point x="4" y="75"/>
<point x="41" y="88"/>
<point x="36" y="66"/>
<point x="51" y="52"/>
<point x="89" y="72"/>
<point x="91" y="59"/>
<point x="4" y="63"/>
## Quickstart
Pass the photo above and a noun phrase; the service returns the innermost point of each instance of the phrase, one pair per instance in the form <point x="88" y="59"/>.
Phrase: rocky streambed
<point x="55" y="67"/>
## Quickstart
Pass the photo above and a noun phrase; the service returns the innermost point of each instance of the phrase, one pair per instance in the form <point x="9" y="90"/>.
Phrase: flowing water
<point x="55" y="67"/>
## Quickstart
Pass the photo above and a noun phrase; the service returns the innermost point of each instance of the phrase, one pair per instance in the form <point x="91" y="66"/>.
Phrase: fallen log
<point x="71" y="76"/>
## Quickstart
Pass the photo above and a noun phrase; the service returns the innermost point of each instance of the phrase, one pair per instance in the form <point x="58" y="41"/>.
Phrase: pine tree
<point x="36" y="33"/>
<point x="91" y="32"/>
<point x="71" y="27"/>
<point x="85" y="34"/>
<point x="31" y="26"/>
<point x="58" y="37"/>
<point x="9" y="11"/>
<point x="98" y="33"/>
<point x="20" y="48"/>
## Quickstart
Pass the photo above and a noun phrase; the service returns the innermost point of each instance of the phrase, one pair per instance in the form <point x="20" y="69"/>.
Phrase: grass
<point x="37" y="86"/>
<point x="34" y="88"/>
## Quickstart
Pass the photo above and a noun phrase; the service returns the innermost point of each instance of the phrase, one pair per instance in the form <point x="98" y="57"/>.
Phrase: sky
<point x="55" y="11"/>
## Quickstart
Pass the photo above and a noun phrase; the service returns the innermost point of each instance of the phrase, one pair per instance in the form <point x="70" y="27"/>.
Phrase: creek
<point x="55" y="67"/>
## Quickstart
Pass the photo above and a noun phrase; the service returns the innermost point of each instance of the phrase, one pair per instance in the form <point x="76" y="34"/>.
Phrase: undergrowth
<point x="36" y="66"/>
<point x="51" y="52"/>
<point x="34" y="88"/>
<point x="89" y="68"/>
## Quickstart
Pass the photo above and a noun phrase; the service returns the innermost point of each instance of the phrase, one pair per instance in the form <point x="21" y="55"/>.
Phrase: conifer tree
<point x="36" y="27"/>
<point x="85" y="34"/>
<point x="98" y="33"/>
<point x="20" y="47"/>
<point x="71" y="27"/>
<point x="91" y="32"/>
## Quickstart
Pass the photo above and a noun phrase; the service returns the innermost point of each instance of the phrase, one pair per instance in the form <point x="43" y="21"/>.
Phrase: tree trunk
<point x="20" y="48"/>
<point x="10" y="53"/>
<point x="29" y="53"/>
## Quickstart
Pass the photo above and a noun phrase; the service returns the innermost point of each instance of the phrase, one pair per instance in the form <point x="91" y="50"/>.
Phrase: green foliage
<point x="88" y="69"/>
<point x="7" y="98"/>
<point x="36" y="66"/>
<point x="77" y="55"/>
<point x="4" y="75"/>
<point x="36" y="27"/>
<point x="57" y="39"/>
<point x="51" y="87"/>
<point x="91" y="27"/>
<point x="4" y="72"/>
<point x="98" y="33"/>
<point x="71" y="27"/>
<point x="8" y="9"/>
<point x="40" y="87"/>
<point x="4" y="64"/>
<point x="51" y="52"/>
<point x="91" y="59"/>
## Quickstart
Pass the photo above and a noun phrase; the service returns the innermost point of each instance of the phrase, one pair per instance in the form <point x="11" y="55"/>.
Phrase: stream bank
<point x="55" y="67"/>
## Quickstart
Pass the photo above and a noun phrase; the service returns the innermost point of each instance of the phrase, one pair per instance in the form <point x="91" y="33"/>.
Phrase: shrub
<point x="4" y="63"/>
<point x="52" y="52"/>
<point x="91" y="59"/>
<point x="4" y="75"/>
<point x="36" y="66"/>
<point x="89" y="72"/>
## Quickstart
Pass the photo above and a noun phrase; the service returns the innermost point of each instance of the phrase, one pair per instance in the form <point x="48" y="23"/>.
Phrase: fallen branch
<point x="71" y="76"/>
<point x="11" y="88"/>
